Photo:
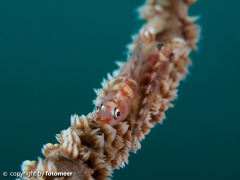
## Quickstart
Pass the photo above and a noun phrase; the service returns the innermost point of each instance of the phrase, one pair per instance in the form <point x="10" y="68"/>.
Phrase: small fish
<point x="152" y="73"/>
<point x="118" y="103"/>
<point x="134" y="89"/>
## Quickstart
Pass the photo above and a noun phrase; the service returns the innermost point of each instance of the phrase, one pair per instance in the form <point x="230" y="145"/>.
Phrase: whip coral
<point x="92" y="150"/>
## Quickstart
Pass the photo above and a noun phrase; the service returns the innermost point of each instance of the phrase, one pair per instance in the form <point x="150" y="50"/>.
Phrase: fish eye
<point x="160" y="46"/>
<point x="99" y="107"/>
<point x="116" y="113"/>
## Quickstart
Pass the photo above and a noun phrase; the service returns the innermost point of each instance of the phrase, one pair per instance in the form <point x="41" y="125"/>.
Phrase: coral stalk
<point x="92" y="151"/>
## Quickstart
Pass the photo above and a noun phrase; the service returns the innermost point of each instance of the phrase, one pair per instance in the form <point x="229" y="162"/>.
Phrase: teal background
<point x="53" y="53"/>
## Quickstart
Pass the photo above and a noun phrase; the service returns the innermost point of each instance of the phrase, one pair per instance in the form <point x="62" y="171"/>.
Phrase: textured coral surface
<point x="93" y="151"/>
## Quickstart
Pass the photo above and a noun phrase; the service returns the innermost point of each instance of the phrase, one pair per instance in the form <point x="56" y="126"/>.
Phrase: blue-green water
<point x="52" y="54"/>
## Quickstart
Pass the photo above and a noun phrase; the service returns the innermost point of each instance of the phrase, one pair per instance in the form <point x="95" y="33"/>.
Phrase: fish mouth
<point x="106" y="120"/>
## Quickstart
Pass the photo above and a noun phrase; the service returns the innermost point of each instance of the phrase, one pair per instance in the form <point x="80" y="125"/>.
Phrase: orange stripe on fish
<point x="112" y="100"/>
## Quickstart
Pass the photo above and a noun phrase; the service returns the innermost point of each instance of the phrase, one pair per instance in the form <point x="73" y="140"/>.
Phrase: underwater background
<point x="53" y="53"/>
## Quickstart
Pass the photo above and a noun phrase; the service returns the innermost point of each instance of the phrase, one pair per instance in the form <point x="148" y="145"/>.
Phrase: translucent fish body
<point x="152" y="73"/>
<point x="118" y="103"/>
<point x="134" y="89"/>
